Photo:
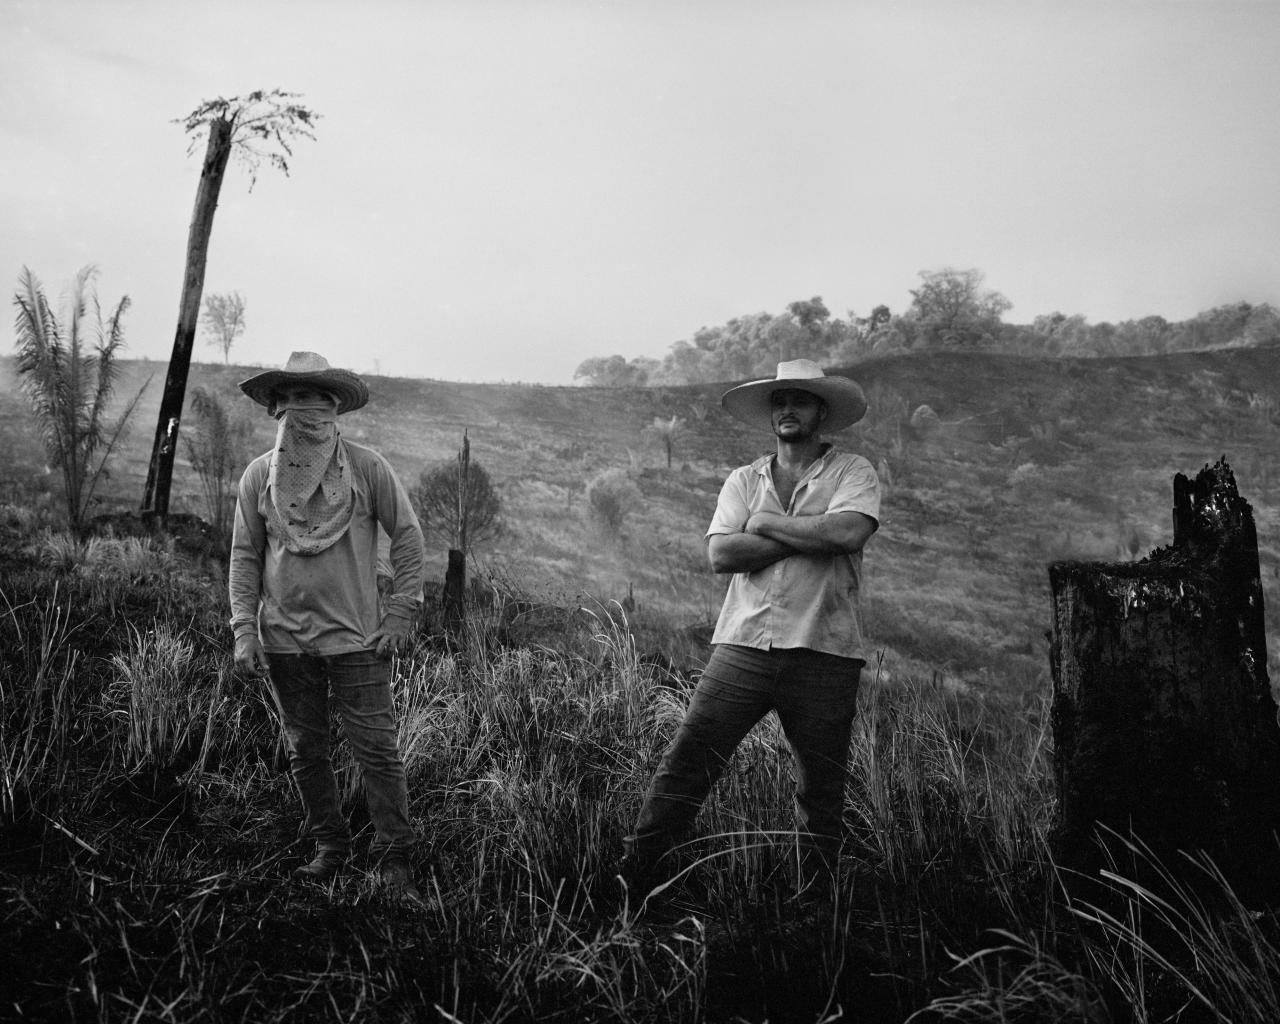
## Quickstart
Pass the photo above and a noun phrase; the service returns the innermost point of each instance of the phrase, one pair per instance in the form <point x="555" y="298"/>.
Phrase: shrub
<point x="62" y="552"/>
<point x="153" y="695"/>
<point x="611" y="493"/>
<point x="216" y="448"/>
<point x="477" y="518"/>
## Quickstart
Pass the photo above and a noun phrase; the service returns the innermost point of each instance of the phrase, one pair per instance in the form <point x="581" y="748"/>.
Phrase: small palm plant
<point x="668" y="432"/>
<point x="69" y="379"/>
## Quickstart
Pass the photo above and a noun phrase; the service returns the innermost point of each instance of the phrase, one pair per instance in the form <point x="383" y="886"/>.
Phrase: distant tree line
<point x="951" y="309"/>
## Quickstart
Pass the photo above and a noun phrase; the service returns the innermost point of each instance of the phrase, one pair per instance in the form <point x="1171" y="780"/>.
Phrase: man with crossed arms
<point x="790" y="528"/>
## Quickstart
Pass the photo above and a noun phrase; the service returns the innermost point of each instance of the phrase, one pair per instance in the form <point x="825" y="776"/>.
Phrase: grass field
<point x="147" y="823"/>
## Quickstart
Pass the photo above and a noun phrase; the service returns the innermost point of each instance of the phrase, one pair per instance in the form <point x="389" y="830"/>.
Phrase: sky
<point x="498" y="190"/>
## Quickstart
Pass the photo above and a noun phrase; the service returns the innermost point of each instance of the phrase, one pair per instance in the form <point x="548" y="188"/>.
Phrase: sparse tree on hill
<point x="460" y="524"/>
<point x="223" y="320"/>
<point x="216" y="448"/>
<point x="614" y="372"/>
<point x="69" y="388"/>
<point x="859" y="336"/>
<point x="1151" y="334"/>
<point x="879" y="317"/>
<point x="1061" y="333"/>
<point x="260" y="126"/>
<point x="810" y="314"/>
<point x="753" y="345"/>
<point x="952" y="308"/>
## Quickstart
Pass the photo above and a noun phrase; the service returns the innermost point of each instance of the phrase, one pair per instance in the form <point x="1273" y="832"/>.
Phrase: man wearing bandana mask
<point x="306" y="609"/>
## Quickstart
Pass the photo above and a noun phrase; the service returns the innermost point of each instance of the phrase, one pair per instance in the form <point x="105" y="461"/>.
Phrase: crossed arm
<point x="769" y="537"/>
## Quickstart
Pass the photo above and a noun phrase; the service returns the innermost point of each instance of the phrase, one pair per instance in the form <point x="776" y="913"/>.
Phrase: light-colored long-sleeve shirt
<point x="803" y="600"/>
<point x="326" y="603"/>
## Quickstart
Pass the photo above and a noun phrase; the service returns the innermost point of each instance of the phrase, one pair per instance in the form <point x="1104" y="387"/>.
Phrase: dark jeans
<point x="815" y="696"/>
<point x="361" y="687"/>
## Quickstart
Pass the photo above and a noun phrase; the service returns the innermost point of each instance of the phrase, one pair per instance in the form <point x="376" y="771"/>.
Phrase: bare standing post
<point x="455" y="581"/>
<point x="464" y="484"/>
<point x="244" y="126"/>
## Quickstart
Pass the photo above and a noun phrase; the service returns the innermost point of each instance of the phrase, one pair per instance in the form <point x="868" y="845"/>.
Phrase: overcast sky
<point x="499" y="190"/>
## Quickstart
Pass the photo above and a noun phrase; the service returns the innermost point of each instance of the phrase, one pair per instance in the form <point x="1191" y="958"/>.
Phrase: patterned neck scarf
<point x="312" y="497"/>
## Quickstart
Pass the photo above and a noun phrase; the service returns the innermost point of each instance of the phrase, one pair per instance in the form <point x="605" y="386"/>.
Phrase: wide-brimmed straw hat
<point x="314" y="371"/>
<point x="846" y="404"/>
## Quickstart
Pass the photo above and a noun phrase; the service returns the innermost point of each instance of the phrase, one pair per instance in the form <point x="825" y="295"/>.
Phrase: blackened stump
<point x="1164" y="724"/>
<point x="455" y="592"/>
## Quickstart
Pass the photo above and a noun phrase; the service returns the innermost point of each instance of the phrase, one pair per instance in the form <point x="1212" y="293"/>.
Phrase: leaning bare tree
<point x="259" y="126"/>
<point x="223" y="320"/>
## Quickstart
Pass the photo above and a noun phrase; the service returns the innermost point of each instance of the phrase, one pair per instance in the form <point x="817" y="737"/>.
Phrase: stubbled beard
<point x="801" y="432"/>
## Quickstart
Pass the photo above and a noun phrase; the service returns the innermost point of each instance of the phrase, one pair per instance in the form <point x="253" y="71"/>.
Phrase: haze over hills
<point x="1016" y="461"/>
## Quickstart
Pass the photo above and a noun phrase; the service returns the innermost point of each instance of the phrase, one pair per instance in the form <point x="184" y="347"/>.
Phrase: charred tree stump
<point x="1163" y="720"/>
<point x="455" y="580"/>
<point x="455" y="591"/>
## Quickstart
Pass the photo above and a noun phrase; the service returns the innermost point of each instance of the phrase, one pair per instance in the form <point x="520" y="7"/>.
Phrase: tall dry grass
<point x="527" y="763"/>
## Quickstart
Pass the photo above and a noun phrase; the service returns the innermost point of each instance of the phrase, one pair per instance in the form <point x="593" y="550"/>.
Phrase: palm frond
<point x="68" y="372"/>
<point x="73" y="404"/>
<point x="110" y="341"/>
<point x="35" y="322"/>
<point x="41" y="359"/>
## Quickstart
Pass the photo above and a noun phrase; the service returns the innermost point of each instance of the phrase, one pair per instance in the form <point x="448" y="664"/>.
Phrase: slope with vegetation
<point x="993" y="466"/>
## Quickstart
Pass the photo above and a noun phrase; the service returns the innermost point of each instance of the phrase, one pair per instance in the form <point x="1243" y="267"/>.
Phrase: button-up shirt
<point x="803" y="600"/>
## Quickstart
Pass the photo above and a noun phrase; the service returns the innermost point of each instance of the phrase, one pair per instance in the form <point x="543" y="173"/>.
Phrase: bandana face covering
<point x="312" y="499"/>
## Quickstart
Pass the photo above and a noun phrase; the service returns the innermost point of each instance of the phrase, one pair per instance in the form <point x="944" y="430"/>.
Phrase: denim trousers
<point x="360" y="684"/>
<point x="815" y="696"/>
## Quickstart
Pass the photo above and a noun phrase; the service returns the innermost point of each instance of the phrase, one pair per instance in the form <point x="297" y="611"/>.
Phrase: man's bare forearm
<point x="745" y="552"/>
<point x="832" y="533"/>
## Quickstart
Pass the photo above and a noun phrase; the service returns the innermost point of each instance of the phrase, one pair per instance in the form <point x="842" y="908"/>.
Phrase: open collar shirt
<point x="804" y="600"/>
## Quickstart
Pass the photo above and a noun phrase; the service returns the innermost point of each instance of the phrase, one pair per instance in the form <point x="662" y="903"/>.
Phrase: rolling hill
<point x="1014" y="463"/>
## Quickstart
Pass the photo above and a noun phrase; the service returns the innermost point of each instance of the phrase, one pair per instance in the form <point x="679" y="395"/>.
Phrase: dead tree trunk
<point x="455" y="580"/>
<point x="455" y="589"/>
<point x="1163" y="720"/>
<point x="164" y="448"/>
<point x="464" y="493"/>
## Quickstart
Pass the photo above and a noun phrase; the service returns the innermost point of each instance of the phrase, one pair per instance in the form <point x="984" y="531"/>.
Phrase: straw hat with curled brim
<point x="307" y="369"/>
<point x="846" y="404"/>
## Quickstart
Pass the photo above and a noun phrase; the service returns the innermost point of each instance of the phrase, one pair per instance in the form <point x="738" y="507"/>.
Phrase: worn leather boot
<point x="325" y="865"/>
<point x="396" y="874"/>
<point x="640" y="874"/>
